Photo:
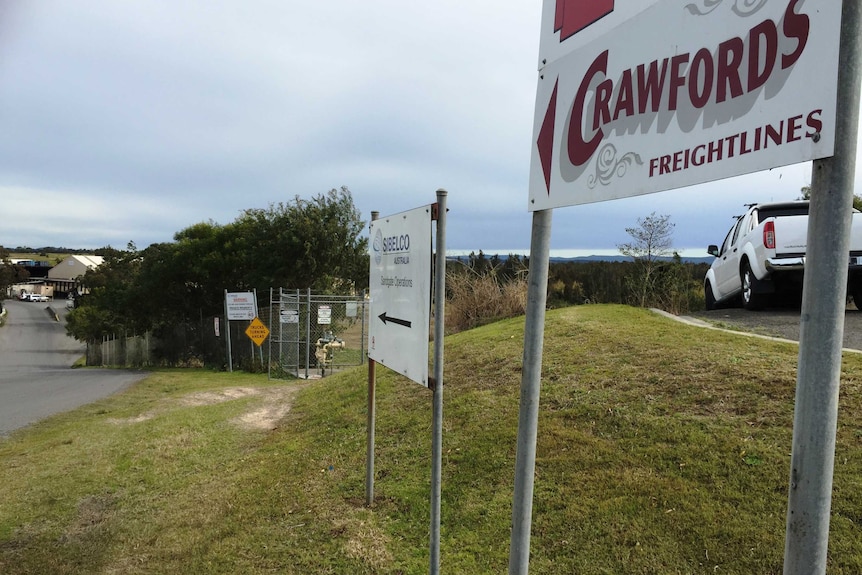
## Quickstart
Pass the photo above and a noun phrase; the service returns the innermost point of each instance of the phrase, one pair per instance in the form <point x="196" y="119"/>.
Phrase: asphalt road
<point x="36" y="379"/>
<point x="781" y="322"/>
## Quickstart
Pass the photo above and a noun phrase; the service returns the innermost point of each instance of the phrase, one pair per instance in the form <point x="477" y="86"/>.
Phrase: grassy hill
<point x="662" y="449"/>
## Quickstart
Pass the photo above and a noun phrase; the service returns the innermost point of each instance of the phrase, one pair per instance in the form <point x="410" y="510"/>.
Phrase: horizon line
<point x="571" y="253"/>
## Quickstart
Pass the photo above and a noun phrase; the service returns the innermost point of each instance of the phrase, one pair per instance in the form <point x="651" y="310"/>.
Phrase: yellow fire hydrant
<point x="325" y="346"/>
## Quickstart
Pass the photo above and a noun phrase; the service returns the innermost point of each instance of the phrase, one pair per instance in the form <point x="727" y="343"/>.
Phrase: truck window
<point x="739" y="227"/>
<point x="779" y="211"/>
<point x="727" y="240"/>
<point x="736" y="231"/>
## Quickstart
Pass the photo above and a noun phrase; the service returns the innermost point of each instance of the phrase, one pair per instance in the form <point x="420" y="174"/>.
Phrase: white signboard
<point x="682" y="92"/>
<point x="289" y="316"/>
<point x="240" y="306"/>
<point x="569" y="24"/>
<point x="324" y="315"/>
<point x="400" y="282"/>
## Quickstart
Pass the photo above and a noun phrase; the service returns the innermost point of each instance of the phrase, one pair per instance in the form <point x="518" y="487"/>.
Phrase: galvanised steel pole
<point x="822" y="322"/>
<point x="227" y="335"/>
<point x="371" y="417"/>
<point x="307" y="330"/>
<point x="272" y="334"/>
<point x="528" y="418"/>
<point x="437" y="410"/>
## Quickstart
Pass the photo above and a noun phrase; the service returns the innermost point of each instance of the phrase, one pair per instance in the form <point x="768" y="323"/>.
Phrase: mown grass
<point x="663" y="448"/>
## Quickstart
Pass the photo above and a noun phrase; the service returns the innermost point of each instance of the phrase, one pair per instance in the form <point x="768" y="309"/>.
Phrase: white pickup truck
<point x="763" y="255"/>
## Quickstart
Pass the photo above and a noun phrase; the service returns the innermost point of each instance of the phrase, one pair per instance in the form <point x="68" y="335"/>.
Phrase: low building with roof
<point x="64" y="276"/>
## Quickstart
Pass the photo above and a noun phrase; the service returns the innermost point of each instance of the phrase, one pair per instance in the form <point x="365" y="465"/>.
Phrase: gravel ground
<point x="783" y="323"/>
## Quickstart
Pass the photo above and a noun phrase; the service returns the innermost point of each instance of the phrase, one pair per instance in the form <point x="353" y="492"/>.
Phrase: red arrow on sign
<point x="572" y="16"/>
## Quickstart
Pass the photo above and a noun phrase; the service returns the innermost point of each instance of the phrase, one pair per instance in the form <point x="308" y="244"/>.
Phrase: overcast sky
<point x="131" y="120"/>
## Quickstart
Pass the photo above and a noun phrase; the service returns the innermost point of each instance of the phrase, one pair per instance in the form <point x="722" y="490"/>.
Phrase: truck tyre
<point x="751" y="300"/>
<point x="856" y="294"/>
<point x="708" y="298"/>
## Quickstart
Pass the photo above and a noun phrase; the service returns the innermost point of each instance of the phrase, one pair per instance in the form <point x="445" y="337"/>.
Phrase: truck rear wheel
<point x="708" y="298"/>
<point x="751" y="300"/>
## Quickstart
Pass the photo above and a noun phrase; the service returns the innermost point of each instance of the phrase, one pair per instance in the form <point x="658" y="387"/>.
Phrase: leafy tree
<point x="315" y="244"/>
<point x="589" y="282"/>
<point x="676" y="290"/>
<point x="505" y="269"/>
<point x="9" y="273"/>
<point x="185" y="280"/>
<point x="89" y="323"/>
<point x="111" y="299"/>
<point x="652" y="240"/>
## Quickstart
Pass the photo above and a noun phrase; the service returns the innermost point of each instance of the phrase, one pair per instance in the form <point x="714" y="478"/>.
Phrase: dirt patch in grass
<point x="93" y="512"/>
<point x="368" y="543"/>
<point x="202" y="398"/>
<point x="137" y="419"/>
<point x="264" y="415"/>
<point x="277" y="402"/>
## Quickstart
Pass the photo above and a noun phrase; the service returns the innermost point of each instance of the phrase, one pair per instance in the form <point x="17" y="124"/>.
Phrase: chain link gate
<point x="314" y="334"/>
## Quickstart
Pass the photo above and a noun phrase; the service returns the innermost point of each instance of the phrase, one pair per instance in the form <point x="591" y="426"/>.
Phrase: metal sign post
<point x="257" y="315"/>
<point x="528" y="416"/>
<point x="437" y="409"/>
<point x="398" y="337"/>
<point x="227" y="334"/>
<point x="371" y="419"/>
<point x="824" y="295"/>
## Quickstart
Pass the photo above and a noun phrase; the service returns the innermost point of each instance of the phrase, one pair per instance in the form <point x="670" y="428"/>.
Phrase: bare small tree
<point x="652" y="239"/>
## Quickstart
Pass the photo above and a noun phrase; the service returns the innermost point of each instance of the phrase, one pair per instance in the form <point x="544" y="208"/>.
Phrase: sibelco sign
<point x="679" y="92"/>
<point x="400" y="285"/>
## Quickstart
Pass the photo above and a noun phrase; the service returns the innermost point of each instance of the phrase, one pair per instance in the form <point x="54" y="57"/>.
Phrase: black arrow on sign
<point x="386" y="318"/>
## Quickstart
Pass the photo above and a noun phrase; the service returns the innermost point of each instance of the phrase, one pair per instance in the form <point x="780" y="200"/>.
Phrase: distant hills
<point x="593" y="258"/>
<point x="583" y="259"/>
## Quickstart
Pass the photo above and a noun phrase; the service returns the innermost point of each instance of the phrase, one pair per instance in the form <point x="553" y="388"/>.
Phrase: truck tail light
<point x="769" y="235"/>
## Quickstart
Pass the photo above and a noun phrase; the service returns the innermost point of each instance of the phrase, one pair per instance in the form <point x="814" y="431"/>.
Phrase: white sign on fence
<point x="289" y="316"/>
<point x="240" y="305"/>
<point x="681" y="92"/>
<point x="400" y="285"/>
<point x="324" y="315"/>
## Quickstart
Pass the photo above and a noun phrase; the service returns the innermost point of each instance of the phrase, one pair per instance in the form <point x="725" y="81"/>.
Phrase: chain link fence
<point x="314" y="334"/>
<point x="310" y="335"/>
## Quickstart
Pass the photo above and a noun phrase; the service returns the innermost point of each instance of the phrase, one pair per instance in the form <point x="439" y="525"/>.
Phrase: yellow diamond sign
<point x="257" y="331"/>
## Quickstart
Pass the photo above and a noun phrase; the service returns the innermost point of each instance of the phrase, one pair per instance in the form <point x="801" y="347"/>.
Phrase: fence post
<point x="298" y="333"/>
<point x="307" y="329"/>
<point x="276" y="309"/>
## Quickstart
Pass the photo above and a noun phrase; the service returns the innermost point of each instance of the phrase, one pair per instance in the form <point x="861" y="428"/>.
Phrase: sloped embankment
<point x="663" y="448"/>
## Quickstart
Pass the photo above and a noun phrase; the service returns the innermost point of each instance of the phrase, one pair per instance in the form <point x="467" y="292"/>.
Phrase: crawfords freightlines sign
<point x="679" y="92"/>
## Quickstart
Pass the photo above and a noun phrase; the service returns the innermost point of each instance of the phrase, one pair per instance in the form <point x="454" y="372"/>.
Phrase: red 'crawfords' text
<point x="701" y="78"/>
